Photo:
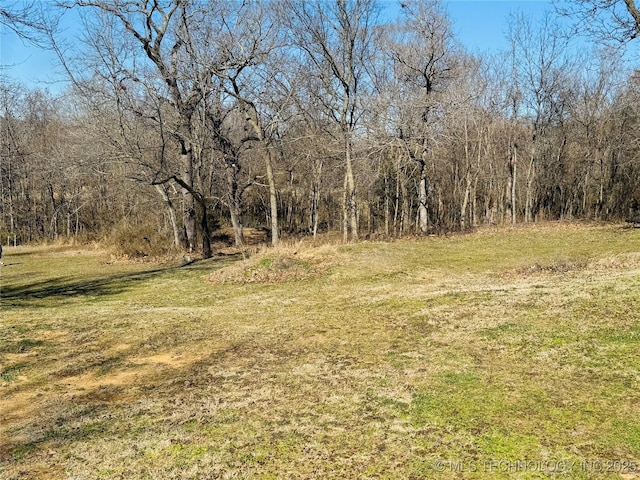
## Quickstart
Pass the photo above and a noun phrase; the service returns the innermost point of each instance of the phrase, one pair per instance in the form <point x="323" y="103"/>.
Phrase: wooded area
<point x="299" y="117"/>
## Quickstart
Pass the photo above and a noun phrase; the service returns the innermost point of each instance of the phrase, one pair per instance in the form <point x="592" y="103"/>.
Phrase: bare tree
<point x="336" y="40"/>
<point x="541" y="66"/>
<point x="252" y="80"/>
<point x="27" y="19"/>
<point x="606" y="20"/>
<point x="423" y="52"/>
<point x="183" y="43"/>
<point x="47" y="190"/>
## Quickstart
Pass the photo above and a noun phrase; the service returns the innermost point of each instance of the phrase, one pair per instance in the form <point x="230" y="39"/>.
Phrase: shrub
<point x="139" y="241"/>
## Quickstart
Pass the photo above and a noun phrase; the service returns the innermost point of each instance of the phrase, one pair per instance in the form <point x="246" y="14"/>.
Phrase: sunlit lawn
<point x="499" y="354"/>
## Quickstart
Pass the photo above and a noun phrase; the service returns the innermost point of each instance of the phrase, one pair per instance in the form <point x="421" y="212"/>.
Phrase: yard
<point x="506" y="353"/>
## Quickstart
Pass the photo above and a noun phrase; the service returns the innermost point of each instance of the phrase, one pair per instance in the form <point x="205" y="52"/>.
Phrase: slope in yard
<point x="510" y="353"/>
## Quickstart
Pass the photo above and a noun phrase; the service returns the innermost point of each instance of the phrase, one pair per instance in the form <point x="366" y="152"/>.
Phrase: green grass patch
<point x="10" y="373"/>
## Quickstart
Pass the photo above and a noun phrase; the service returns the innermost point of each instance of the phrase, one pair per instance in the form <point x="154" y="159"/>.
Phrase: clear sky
<point x="479" y="24"/>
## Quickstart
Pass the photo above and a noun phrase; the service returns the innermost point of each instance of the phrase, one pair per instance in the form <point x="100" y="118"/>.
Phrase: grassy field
<point x="508" y="353"/>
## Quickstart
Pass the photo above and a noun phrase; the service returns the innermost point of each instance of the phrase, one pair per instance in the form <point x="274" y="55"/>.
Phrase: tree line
<point x="300" y="117"/>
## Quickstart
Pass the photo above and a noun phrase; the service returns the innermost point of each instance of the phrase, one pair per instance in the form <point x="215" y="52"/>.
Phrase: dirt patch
<point x="170" y="359"/>
<point x="133" y="376"/>
<point x="17" y="408"/>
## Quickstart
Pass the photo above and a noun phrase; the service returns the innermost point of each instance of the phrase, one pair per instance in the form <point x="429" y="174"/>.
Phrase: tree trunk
<point x="315" y="196"/>
<point x="237" y="226"/>
<point x="585" y="194"/>
<point x="172" y="214"/>
<point x="234" y="201"/>
<point x="405" y="208"/>
<point x="350" y="210"/>
<point x="423" y="213"/>
<point x="531" y="174"/>
<point x="474" y="202"/>
<point x="396" y="203"/>
<point x="387" y="213"/>
<point x="206" y="234"/>
<point x="598" y="212"/>
<point x="188" y="202"/>
<point x="273" y="198"/>
<point x="465" y="200"/>
<point x="513" y="165"/>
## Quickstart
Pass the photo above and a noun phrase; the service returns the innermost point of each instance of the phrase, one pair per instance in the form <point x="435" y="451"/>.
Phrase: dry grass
<point x="374" y="360"/>
<point x="284" y="263"/>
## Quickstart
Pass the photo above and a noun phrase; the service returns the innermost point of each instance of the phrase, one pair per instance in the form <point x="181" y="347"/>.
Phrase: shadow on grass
<point x="61" y="288"/>
<point x="70" y="287"/>
<point x="105" y="410"/>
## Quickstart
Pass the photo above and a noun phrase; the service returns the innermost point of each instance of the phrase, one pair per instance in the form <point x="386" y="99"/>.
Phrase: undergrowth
<point x="285" y="263"/>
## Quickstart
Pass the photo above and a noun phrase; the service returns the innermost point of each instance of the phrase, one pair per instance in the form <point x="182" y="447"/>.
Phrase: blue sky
<point x="479" y="24"/>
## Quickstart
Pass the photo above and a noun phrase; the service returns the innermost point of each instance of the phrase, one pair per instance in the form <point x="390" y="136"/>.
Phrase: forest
<point x="186" y="123"/>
